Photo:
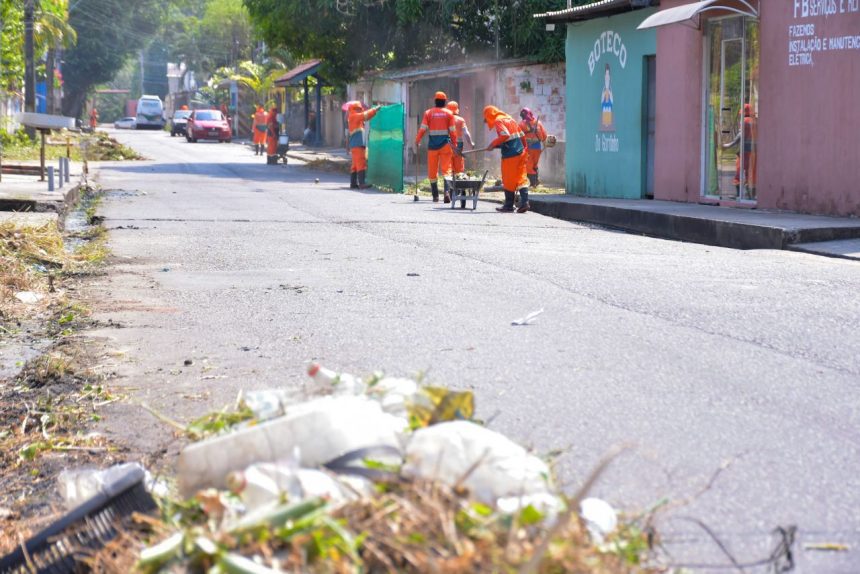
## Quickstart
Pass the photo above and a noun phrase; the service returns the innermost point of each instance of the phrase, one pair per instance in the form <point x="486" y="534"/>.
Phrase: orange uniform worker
<point x="535" y="136"/>
<point x="260" y="128"/>
<point x="94" y="118"/>
<point x="358" y="143"/>
<point x="458" y="162"/>
<point x="439" y="122"/>
<point x="273" y="130"/>
<point x="512" y="143"/>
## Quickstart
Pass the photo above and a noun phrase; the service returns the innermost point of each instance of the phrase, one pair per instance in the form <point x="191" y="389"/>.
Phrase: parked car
<point x="125" y="124"/>
<point x="208" y="125"/>
<point x="179" y="122"/>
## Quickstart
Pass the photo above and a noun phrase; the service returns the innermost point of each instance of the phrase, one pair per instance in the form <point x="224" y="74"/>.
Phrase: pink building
<point x="757" y="103"/>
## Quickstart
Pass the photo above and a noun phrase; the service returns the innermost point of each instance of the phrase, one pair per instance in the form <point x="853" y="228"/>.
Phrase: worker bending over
<point x="512" y="143"/>
<point x="458" y="162"/>
<point x="358" y="144"/>
<point x="535" y="138"/>
<point x="439" y="122"/>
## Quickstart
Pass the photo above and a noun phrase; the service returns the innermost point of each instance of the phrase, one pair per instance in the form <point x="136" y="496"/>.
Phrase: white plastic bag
<point x="447" y="452"/>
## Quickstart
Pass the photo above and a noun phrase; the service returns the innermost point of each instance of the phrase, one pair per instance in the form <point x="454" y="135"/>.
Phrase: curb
<point x="66" y="198"/>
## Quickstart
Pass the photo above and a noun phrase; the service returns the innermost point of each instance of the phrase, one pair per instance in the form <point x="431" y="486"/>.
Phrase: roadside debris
<point x="376" y="475"/>
<point x="528" y="319"/>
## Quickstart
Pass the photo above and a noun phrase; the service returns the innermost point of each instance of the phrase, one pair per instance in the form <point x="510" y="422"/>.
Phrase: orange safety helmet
<point x="453" y="106"/>
<point x="440" y="96"/>
<point x="183" y="107"/>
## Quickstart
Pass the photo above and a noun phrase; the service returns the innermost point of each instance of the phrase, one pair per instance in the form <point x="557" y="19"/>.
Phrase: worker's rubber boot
<point x="537" y="177"/>
<point x="361" y="183"/>
<point x="353" y="180"/>
<point x="524" y="200"/>
<point x="256" y="149"/>
<point x="533" y="179"/>
<point x="434" y="189"/>
<point x="447" y="197"/>
<point x="508" y="207"/>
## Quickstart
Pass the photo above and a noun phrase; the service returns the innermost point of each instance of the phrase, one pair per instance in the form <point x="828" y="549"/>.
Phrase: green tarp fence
<point x="385" y="148"/>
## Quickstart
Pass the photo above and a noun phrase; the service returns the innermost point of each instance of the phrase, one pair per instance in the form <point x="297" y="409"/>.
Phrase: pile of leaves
<point x="28" y="257"/>
<point x="101" y="147"/>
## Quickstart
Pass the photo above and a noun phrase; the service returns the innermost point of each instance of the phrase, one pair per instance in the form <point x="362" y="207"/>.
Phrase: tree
<point x="109" y="31"/>
<point x="50" y="29"/>
<point x="352" y="36"/>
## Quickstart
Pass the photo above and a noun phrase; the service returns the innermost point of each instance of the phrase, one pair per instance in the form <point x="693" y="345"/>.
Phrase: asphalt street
<point x="702" y="358"/>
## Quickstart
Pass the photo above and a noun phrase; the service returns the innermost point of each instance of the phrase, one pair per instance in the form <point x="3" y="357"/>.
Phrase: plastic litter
<point x="600" y="518"/>
<point x="269" y="483"/>
<point x="29" y="297"/>
<point x="329" y="382"/>
<point x="267" y="404"/>
<point x="322" y="429"/>
<point x="394" y="394"/>
<point x="528" y="319"/>
<point x="79" y="485"/>
<point x="487" y="463"/>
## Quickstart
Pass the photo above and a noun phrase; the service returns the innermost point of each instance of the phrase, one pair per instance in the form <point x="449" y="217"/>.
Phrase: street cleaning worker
<point x="512" y="142"/>
<point x="272" y="132"/>
<point x="535" y="138"/>
<point x="260" y="128"/>
<point x="458" y="162"/>
<point x="439" y="122"/>
<point x="358" y="143"/>
<point x="94" y="118"/>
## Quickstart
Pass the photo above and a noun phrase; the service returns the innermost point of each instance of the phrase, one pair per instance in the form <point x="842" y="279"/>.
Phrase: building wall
<point x="678" y="136"/>
<point x="809" y="121"/>
<point x="607" y="160"/>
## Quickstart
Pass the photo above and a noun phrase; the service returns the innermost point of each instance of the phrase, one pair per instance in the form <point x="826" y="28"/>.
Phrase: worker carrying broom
<point x="535" y="138"/>
<point x="439" y="122"/>
<point x="512" y="143"/>
<point x="358" y="143"/>
<point x="273" y="131"/>
<point x="260" y="129"/>
<point x="458" y="162"/>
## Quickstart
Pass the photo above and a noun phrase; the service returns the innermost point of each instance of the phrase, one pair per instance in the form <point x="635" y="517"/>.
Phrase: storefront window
<point x="731" y="108"/>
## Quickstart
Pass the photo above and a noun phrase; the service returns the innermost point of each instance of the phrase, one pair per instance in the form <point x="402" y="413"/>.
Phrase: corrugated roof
<point x="596" y="10"/>
<point x="299" y="73"/>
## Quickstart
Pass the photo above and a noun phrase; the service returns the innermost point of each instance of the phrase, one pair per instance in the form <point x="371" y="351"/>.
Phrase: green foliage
<point x="352" y="36"/>
<point x="109" y="31"/>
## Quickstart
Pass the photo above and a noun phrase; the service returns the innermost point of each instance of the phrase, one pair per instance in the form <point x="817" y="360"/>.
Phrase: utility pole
<point x="29" y="64"/>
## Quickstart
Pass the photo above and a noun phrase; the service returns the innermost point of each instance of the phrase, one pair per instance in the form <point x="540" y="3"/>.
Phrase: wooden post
<point x="68" y="147"/>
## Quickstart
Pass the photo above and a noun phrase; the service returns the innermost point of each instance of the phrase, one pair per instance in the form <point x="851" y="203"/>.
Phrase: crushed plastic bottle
<point x="331" y="382"/>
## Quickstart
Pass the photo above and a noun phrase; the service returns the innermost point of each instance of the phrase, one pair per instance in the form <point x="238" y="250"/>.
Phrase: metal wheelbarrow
<point x="464" y="188"/>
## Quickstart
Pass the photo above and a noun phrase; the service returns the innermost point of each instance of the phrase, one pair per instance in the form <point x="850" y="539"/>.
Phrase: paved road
<point x="698" y="355"/>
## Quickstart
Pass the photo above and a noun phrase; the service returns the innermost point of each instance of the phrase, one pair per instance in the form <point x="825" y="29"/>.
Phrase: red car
<point x="208" y="125"/>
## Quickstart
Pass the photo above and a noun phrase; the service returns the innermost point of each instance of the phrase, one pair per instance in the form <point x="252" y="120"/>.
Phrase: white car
<point x="125" y="124"/>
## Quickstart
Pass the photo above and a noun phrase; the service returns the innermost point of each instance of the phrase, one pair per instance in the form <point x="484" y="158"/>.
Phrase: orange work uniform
<point x="358" y="137"/>
<point x="511" y="142"/>
<point x="440" y="124"/>
<point x="535" y="136"/>
<point x="458" y="162"/>
<point x="272" y="132"/>
<point x="260" y="127"/>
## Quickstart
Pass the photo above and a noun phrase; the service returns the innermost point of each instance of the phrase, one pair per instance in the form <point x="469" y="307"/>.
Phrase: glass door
<point x="731" y="109"/>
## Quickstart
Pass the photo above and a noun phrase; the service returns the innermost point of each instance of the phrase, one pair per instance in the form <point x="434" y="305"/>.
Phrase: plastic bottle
<point x="328" y="381"/>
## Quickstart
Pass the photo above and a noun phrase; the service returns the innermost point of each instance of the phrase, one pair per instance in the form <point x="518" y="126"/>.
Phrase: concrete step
<point x="710" y="225"/>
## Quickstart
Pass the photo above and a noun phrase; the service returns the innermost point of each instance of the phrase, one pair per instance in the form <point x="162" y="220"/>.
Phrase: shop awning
<point x="295" y="76"/>
<point x="690" y="13"/>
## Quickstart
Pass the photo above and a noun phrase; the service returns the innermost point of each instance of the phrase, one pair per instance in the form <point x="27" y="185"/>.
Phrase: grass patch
<point x="98" y="146"/>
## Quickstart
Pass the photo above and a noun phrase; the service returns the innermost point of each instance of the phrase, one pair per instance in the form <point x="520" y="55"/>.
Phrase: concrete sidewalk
<point x="26" y="195"/>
